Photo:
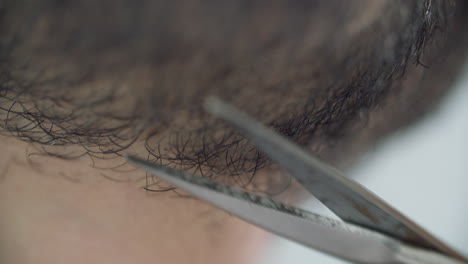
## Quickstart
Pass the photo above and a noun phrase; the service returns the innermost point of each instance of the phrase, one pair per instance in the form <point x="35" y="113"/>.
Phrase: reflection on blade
<point x="334" y="237"/>
<point x="346" y="198"/>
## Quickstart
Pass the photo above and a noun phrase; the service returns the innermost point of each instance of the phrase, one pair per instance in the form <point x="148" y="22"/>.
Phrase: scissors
<point x="371" y="230"/>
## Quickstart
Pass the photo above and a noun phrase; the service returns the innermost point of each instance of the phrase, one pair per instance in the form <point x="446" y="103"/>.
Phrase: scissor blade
<point x="346" y="198"/>
<point x="336" y="238"/>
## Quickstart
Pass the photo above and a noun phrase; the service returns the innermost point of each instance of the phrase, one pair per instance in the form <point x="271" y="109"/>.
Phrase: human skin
<point x="84" y="82"/>
<point x="48" y="218"/>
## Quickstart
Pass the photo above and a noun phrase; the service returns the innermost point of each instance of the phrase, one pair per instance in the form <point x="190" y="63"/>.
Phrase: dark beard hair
<point x="47" y="109"/>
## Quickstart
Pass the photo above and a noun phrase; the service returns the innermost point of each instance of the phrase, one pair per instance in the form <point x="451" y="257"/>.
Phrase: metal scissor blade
<point x="346" y="198"/>
<point x="337" y="238"/>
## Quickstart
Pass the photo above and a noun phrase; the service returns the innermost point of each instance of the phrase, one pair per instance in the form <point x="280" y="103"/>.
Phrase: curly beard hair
<point x="109" y="75"/>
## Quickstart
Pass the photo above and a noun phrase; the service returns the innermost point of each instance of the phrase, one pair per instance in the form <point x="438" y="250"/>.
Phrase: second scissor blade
<point x="347" y="199"/>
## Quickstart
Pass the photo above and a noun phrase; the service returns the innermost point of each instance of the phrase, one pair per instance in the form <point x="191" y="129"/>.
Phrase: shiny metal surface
<point x="346" y="198"/>
<point x="337" y="238"/>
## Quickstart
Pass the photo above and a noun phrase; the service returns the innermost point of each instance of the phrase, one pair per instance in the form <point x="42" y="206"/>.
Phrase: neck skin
<point x="65" y="211"/>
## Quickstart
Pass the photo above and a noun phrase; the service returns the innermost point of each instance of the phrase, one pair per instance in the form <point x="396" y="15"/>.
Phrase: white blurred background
<point x="422" y="171"/>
